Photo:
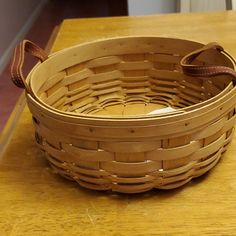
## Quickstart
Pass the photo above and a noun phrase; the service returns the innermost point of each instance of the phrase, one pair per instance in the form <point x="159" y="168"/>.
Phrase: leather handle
<point x="202" y="71"/>
<point x="18" y="62"/>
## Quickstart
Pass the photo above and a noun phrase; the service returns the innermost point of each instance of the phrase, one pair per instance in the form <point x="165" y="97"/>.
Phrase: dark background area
<point x="53" y="13"/>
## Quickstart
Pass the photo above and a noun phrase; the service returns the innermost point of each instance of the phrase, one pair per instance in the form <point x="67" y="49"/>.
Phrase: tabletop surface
<point x="35" y="201"/>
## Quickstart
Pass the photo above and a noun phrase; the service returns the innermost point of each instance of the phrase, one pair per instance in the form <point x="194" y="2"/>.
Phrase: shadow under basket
<point x="133" y="113"/>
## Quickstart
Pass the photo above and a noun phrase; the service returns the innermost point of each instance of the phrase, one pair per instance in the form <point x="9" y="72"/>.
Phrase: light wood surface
<point x="34" y="201"/>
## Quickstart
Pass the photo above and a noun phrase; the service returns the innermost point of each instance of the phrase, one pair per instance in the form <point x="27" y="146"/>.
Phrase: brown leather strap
<point x="18" y="61"/>
<point x="202" y="71"/>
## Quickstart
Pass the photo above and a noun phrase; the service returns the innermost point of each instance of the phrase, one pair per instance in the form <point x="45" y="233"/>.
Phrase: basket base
<point x="133" y="109"/>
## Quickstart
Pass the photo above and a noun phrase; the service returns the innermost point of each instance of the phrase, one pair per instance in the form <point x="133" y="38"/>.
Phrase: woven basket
<point x="133" y="113"/>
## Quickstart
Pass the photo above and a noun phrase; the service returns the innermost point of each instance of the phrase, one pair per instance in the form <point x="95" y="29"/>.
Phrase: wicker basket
<point x="119" y="114"/>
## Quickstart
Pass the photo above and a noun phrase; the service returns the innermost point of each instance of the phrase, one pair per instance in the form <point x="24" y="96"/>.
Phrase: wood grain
<point x="34" y="201"/>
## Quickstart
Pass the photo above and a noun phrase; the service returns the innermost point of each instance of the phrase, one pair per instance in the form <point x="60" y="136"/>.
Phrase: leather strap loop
<point x="18" y="62"/>
<point x="202" y="71"/>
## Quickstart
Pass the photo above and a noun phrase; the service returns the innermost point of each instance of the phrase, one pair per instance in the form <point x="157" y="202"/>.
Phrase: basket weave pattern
<point x="139" y="165"/>
<point x="103" y="136"/>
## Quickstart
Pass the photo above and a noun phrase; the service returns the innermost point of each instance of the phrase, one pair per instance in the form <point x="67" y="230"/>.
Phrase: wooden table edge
<point x="8" y="129"/>
<point x="7" y="132"/>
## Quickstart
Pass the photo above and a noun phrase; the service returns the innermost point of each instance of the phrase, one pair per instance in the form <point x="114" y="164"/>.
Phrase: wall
<point x="16" y="17"/>
<point x="145" y="7"/>
<point x="234" y="4"/>
<point x="202" y="5"/>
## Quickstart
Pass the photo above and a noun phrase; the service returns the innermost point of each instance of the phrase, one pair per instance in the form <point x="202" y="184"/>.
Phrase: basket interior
<point x="128" y="76"/>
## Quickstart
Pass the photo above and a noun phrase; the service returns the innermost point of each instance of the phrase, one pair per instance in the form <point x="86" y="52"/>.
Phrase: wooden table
<point x="34" y="201"/>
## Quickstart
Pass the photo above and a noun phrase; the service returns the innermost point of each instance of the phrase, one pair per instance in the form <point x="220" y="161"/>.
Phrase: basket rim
<point x="207" y="104"/>
<point x="150" y="119"/>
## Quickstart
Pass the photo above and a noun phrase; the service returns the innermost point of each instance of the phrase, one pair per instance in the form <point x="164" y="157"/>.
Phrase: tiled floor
<point x="53" y="14"/>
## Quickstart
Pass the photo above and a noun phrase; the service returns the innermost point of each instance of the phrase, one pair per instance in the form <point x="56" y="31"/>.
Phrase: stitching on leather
<point x="19" y="66"/>
<point x="36" y="51"/>
<point x="16" y="64"/>
<point x="204" y="70"/>
<point x="213" y="72"/>
<point x="18" y="61"/>
<point x="209" y="67"/>
<point x="13" y="61"/>
<point x="39" y="56"/>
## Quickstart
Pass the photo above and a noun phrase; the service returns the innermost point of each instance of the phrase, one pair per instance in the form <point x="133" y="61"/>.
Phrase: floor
<point x="53" y="14"/>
